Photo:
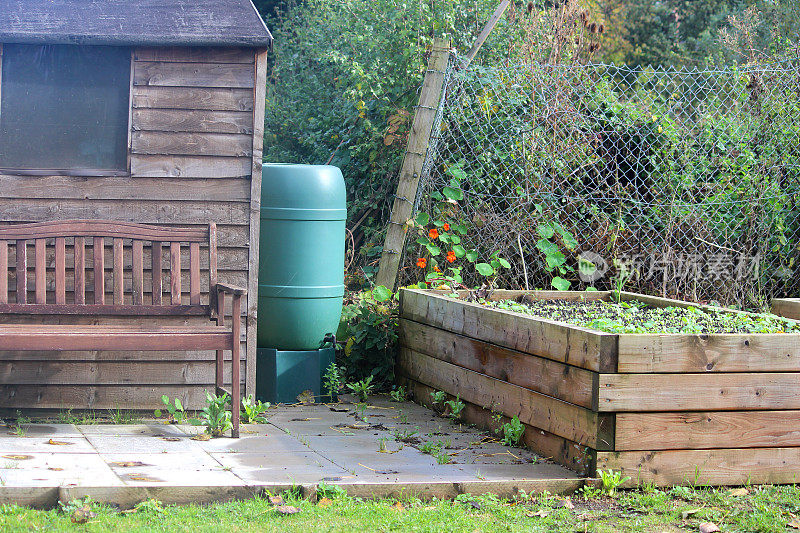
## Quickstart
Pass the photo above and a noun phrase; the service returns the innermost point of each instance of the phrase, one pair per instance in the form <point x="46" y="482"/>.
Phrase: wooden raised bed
<point x="720" y="409"/>
<point x="788" y="307"/>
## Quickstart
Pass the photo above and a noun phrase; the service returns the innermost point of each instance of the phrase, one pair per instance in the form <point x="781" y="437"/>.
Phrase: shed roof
<point x="133" y="22"/>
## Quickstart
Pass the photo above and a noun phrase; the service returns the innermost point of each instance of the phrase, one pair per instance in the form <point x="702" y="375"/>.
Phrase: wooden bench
<point x="113" y="300"/>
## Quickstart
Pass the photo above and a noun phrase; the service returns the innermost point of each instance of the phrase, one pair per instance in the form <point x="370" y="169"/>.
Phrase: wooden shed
<point x="147" y="111"/>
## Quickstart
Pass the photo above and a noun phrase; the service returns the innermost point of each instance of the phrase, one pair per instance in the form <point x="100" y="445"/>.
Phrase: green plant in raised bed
<point x="444" y="227"/>
<point x="636" y="317"/>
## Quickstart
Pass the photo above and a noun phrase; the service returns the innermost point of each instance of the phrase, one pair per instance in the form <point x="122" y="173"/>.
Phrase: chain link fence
<point x="681" y="183"/>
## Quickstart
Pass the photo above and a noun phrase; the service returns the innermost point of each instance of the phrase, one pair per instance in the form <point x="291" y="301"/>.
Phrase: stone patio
<point x="302" y="445"/>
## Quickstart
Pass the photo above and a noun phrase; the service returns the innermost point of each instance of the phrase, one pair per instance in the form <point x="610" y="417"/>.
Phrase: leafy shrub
<point x="369" y="330"/>
<point x="215" y="415"/>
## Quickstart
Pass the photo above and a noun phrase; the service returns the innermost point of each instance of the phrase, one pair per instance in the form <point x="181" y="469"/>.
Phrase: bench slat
<point x="22" y="271"/>
<point x="194" y="273"/>
<point x="40" y="271"/>
<point x="80" y="270"/>
<point x="156" y="269"/>
<point x="100" y="310"/>
<point x="138" y="272"/>
<point x="99" y="271"/>
<point x="101" y="340"/>
<point x="175" y="272"/>
<point x="61" y="270"/>
<point x="3" y="272"/>
<point x="119" y="296"/>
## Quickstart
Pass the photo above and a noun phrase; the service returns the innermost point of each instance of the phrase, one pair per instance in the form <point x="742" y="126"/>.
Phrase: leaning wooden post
<point x="411" y="169"/>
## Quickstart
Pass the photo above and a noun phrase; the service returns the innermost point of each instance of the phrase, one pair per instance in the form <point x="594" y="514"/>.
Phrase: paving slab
<point x="132" y="430"/>
<point x="351" y="445"/>
<point x="50" y="431"/>
<point x="282" y="467"/>
<point x="142" y="444"/>
<point x="44" y="444"/>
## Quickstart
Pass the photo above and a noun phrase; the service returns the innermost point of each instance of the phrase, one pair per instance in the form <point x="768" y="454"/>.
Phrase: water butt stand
<point x="301" y="278"/>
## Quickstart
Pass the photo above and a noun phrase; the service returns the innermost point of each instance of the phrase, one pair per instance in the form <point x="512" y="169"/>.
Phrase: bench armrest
<point x="230" y="289"/>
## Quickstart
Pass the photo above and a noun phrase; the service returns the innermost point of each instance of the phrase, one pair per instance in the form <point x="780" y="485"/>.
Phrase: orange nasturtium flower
<point x="437" y="269"/>
<point x="433" y="234"/>
<point x="446" y="226"/>
<point x="451" y="256"/>
<point x="422" y="262"/>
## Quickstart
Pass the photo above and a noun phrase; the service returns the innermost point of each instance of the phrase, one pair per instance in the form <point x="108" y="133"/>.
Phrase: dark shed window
<point x="64" y="107"/>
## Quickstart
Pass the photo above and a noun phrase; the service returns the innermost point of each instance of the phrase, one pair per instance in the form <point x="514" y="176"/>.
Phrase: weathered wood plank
<point x="568" y="383"/>
<point x="194" y="54"/>
<point x="698" y="392"/>
<point x="718" y="429"/>
<point x="552" y="340"/>
<point x="111" y="356"/>
<point x="132" y="372"/>
<point x="787" y="307"/>
<point x="3" y="272"/>
<point x="153" y="212"/>
<point x="562" y="451"/>
<point x="175" y="273"/>
<point x="40" y="270"/>
<point x="137" y="288"/>
<point x="738" y="466"/>
<point x="125" y="188"/>
<point x="169" y="74"/>
<point x="21" y="272"/>
<point x="195" y="121"/>
<point x="554" y="416"/>
<point x="198" y="166"/>
<point x="709" y="353"/>
<point x="259" y="95"/>
<point x="210" y="98"/>
<point x="182" y="143"/>
<point x="99" y="397"/>
<point x="60" y="281"/>
<point x="98" y="273"/>
<point x="119" y="275"/>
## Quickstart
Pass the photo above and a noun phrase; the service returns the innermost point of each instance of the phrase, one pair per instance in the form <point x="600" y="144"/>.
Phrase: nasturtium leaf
<point x="178" y="404"/>
<point x="591" y="289"/>
<point x="438" y="223"/>
<point x="381" y="293"/>
<point x="436" y="195"/>
<point x="433" y="249"/>
<point x="560" y="284"/>
<point x="472" y="255"/>
<point x="504" y="263"/>
<point x="461" y="228"/>
<point x="445" y="238"/>
<point x="422" y="219"/>
<point x="586" y="267"/>
<point x="457" y="172"/>
<point x="555" y="259"/>
<point x="423" y="241"/>
<point x="545" y="231"/>
<point x="459" y="251"/>
<point x="547" y="247"/>
<point x="484" y="269"/>
<point x="455" y="239"/>
<point x="453" y="194"/>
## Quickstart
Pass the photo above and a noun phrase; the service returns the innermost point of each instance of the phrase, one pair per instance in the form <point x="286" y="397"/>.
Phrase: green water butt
<point x="301" y="249"/>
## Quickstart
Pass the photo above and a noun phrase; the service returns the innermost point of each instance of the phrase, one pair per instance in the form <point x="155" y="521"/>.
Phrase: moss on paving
<point x="761" y="509"/>
<point x="635" y="317"/>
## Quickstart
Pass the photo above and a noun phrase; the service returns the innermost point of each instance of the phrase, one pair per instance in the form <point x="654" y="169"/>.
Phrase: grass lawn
<point x="760" y="509"/>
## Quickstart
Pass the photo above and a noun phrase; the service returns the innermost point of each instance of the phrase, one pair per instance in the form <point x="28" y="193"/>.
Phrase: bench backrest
<point x="126" y="243"/>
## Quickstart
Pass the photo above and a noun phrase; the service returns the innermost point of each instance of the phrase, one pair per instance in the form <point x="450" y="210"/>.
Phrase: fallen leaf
<point x="566" y="503"/>
<point x="325" y="502"/>
<point x="307" y="396"/>
<point x="398" y="506"/>
<point x="276" y="500"/>
<point x="18" y="457"/>
<point x="738" y="492"/>
<point x="794" y="524"/>
<point x="709" y="527"/>
<point x="202" y="437"/>
<point x="127" y="464"/>
<point x="688" y="513"/>
<point x="171" y="439"/>
<point x="541" y="513"/>
<point x="55" y="468"/>
<point x="59" y="443"/>
<point x="287" y="509"/>
<point x="83" y="515"/>
<point x="141" y="477"/>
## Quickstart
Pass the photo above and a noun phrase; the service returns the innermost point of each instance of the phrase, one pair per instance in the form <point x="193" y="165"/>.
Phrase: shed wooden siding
<point x="194" y="151"/>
